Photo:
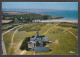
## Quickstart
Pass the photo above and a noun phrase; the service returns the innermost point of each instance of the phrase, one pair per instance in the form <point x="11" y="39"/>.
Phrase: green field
<point x="65" y="34"/>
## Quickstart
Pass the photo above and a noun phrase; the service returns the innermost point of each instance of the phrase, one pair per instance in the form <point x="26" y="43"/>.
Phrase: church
<point x="36" y="43"/>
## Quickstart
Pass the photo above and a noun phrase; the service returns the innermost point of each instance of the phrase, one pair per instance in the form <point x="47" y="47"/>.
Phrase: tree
<point x="46" y="17"/>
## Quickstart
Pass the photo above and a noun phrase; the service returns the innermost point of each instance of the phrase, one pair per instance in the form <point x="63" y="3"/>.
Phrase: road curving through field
<point x="13" y="37"/>
<point x="3" y="45"/>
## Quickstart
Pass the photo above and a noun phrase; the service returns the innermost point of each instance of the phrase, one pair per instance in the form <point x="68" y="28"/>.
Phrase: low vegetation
<point x="65" y="42"/>
<point x="32" y="27"/>
<point x="73" y="25"/>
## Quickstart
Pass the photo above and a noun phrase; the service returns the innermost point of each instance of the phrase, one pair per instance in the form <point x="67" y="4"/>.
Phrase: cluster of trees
<point x="24" y="45"/>
<point x="26" y="17"/>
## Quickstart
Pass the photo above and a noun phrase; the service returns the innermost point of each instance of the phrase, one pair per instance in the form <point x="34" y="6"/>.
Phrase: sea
<point x="67" y="14"/>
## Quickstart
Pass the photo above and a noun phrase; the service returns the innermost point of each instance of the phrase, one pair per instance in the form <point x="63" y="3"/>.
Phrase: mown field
<point x="64" y="34"/>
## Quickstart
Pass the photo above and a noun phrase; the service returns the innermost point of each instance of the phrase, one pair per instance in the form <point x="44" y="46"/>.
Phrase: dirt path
<point x="55" y="41"/>
<point x="13" y="37"/>
<point x="70" y="32"/>
<point x="22" y="52"/>
<point x="73" y="34"/>
<point x="3" y="45"/>
<point x="50" y="29"/>
<point x="46" y="33"/>
<point x="12" y="40"/>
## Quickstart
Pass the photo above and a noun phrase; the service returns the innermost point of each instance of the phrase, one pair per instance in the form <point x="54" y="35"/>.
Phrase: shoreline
<point x="69" y="21"/>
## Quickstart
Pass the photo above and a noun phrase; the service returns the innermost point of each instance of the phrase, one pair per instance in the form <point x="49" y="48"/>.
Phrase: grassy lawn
<point x="66" y="41"/>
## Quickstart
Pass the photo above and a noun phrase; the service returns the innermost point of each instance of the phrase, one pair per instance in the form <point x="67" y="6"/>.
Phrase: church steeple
<point x="37" y="34"/>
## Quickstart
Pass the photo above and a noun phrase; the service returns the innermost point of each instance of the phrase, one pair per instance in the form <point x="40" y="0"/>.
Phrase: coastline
<point x="59" y="20"/>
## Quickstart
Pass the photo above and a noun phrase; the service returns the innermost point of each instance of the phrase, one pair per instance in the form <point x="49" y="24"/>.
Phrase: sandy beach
<point x="6" y="21"/>
<point x="69" y="21"/>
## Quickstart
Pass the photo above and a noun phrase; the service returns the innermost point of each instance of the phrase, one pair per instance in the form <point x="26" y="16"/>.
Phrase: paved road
<point x="3" y="45"/>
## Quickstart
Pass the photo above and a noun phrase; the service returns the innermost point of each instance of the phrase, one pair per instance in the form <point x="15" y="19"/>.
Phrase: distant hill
<point x="29" y="10"/>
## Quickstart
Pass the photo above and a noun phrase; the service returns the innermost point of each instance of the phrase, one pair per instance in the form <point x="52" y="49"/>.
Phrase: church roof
<point x="41" y="49"/>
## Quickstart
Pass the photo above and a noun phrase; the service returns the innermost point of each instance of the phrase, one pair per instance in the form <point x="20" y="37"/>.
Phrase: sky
<point x="41" y="5"/>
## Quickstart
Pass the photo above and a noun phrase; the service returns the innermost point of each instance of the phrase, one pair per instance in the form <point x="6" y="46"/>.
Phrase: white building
<point x="36" y="43"/>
